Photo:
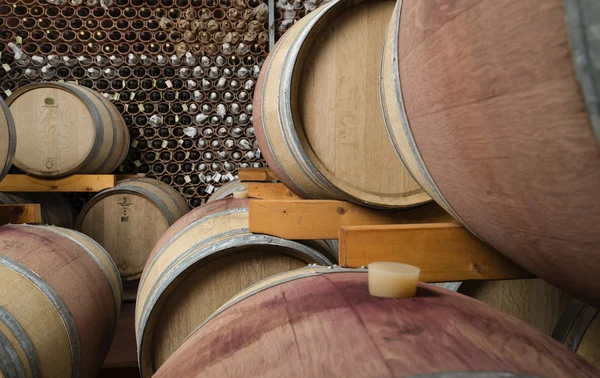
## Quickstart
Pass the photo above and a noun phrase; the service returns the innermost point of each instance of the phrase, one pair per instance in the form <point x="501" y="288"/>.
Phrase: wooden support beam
<point x="74" y="183"/>
<point x="321" y="219"/>
<point x="256" y="174"/>
<point x="443" y="251"/>
<point x="123" y="352"/>
<point x="21" y="213"/>
<point x="269" y="190"/>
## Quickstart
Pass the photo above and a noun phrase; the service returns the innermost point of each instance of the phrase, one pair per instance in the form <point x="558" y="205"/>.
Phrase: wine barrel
<point x="487" y="106"/>
<point x="128" y="220"/>
<point x="8" y="139"/>
<point x="202" y="261"/>
<point x="56" y="210"/>
<point x="68" y="129"/>
<point x="579" y="329"/>
<point x="321" y="322"/>
<point x="60" y="297"/>
<point x="317" y="118"/>
<point x="227" y="190"/>
<point x="533" y="301"/>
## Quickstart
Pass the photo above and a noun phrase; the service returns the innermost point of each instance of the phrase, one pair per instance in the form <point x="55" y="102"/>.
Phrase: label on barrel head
<point x="125" y="210"/>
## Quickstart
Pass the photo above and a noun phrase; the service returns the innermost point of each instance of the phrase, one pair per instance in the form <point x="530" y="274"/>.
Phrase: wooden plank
<point x="122" y="352"/>
<point x="21" y="213"/>
<point x="256" y="174"/>
<point x="321" y="219"/>
<point x="269" y="190"/>
<point x="303" y="219"/>
<point x="74" y="183"/>
<point x="443" y="251"/>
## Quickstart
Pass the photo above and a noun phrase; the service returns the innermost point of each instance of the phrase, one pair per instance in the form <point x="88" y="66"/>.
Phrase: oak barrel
<point x="68" y="129"/>
<point x="129" y="218"/>
<point x="317" y="117"/>
<point x="579" y="329"/>
<point x="321" y="322"/>
<point x="56" y="210"/>
<point x="202" y="261"/>
<point x="8" y="139"/>
<point x="493" y="106"/>
<point x="533" y="301"/>
<point x="60" y="297"/>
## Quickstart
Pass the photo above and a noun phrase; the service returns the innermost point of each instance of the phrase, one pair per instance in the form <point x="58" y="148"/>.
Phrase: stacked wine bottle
<point x="181" y="72"/>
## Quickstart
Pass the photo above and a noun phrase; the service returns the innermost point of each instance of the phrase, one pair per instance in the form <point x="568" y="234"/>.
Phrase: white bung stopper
<point x="393" y="280"/>
<point x="240" y="194"/>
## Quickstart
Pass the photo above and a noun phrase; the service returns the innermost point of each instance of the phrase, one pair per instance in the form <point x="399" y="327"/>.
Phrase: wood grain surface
<point x="88" y="286"/>
<point x="499" y="123"/>
<point x="203" y="260"/>
<point x="69" y="129"/>
<point x="443" y="251"/>
<point x="324" y="135"/>
<point x="533" y="301"/>
<point x="329" y="325"/>
<point x="21" y="213"/>
<point x="74" y="183"/>
<point x="322" y="219"/>
<point x="128" y="219"/>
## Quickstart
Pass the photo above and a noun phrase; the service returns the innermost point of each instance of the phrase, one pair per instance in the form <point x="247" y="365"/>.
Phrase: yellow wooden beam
<point x="443" y="251"/>
<point x="74" y="183"/>
<point x="269" y="190"/>
<point x="256" y="174"/>
<point x="21" y="213"/>
<point x="321" y="219"/>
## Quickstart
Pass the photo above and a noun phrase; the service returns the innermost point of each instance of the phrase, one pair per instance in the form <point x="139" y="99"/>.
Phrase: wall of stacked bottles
<point x="181" y="72"/>
<point x="287" y="12"/>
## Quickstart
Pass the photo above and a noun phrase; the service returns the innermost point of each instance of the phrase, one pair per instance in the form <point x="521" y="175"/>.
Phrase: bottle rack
<point x="181" y="72"/>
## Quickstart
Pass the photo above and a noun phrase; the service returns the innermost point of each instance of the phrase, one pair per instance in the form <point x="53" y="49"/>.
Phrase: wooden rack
<point x="31" y="213"/>
<point x="74" y="183"/>
<point x="426" y="236"/>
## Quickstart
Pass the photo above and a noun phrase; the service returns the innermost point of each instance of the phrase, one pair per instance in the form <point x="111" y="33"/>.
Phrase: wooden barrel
<point x="202" y="261"/>
<point x="68" y="129"/>
<point x="323" y="322"/>
<point x="227" y="190"/>
<point x="487" y="106"/>
<point x="317" y="116"/>
<point x="533" y="301"/>
<point x="60" y="296"/>
<point x="56" y="210"/>
<point x="129" y="218"/>
<point x="8" y="139"/>
<point x="579" y="329"/>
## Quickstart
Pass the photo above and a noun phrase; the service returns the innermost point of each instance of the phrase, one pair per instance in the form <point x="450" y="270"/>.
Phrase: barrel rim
<point x="96" y="120"/>
<point x="292" y="129"/>
<point x="119" y="190"/>
<point x="23" y="339"/>
<point x="261" y="132"/>
<point x="12" y="139"/>
<point x="113" y="122"/>
<point x="193" y="260"/>
<point x="172" y="193"/>
<point x="61" y="309"/>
